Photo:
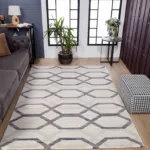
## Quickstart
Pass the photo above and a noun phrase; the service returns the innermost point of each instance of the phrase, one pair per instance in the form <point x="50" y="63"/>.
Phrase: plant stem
<point x="61" y="42"/>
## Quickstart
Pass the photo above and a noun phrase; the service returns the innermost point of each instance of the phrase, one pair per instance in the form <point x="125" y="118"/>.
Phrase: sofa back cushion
<point x="21" y="43"/>
<point x="4" y="49"/>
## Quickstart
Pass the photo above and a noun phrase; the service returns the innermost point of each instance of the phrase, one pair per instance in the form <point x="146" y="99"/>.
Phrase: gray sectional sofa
<point x="12" y="69"/>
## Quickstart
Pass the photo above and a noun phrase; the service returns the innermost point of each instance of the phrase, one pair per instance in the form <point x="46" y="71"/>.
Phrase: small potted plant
<point x="66" y="40"/>
<point x="112" y="27"/>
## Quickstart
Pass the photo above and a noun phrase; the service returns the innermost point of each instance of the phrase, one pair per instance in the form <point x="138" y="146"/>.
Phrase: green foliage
<point x="112" y="27"/>
<point x="57" y="27"/>
<point x="66" y="38"/>
<point x="69" y="41"/>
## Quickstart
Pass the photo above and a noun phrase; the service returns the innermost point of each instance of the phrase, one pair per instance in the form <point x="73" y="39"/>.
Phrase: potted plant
<point x="112" y="27"/>
<point x="69" y="43"/>
<point x="66" y="40"/>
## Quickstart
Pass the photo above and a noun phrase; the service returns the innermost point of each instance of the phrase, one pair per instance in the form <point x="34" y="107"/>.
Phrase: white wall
<point x="84" y="51"/>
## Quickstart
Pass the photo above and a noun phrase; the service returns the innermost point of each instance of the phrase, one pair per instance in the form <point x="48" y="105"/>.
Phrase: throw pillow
<point x="4" y="50"/>
<point x="8" y="39"/>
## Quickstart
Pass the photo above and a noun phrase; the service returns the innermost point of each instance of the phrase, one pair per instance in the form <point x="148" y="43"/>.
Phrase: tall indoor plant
<point x="112" y="27"/>
<point x="69" y="40"/>
<point x="66" y="40"/>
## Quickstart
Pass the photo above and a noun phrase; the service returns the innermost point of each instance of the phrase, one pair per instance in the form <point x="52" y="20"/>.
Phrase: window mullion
<point x="97" y="21"/>
<point x="56" y="7"/>
<point x="70" y="13"/>
<point x="112" y="8"/>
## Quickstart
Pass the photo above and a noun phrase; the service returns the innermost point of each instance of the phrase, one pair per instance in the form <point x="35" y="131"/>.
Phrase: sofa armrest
<point x="21" y="43"/>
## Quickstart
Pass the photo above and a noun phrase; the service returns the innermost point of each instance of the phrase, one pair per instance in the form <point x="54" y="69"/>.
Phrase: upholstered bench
<point x="135" y="93"/>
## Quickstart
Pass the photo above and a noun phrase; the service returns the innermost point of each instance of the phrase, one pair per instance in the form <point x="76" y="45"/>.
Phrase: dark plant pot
<point x="65" y="58"/>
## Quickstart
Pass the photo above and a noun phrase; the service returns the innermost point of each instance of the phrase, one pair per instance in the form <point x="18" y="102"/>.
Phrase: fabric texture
<point x="12" y="69"/>
<point x="21" y="43"/>
<point x="18" y="61"/>
<point x="8" y="38"/>
<point x="9" y="82"/>
<point x="4" y="49"/>
<point x="135" y="92"/>
<point x="70" y="107"/>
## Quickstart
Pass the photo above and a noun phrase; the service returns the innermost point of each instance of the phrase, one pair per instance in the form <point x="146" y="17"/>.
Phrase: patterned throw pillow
<point x="4" y="50"/>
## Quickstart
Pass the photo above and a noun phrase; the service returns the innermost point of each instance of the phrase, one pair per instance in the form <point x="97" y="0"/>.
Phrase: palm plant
<point x="57" y="29"/>
<point x="69" y="41"/>
<point x="66" y="38"/>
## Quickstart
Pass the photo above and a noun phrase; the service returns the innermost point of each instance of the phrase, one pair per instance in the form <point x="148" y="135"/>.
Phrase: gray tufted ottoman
<point x="135" y="93"/>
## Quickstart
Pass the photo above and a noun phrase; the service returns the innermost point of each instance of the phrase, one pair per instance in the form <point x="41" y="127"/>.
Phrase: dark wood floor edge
<point x="5" y="122"/>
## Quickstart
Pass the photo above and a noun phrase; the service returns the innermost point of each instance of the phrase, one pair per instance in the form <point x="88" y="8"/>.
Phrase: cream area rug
<point x="70" y="108"/>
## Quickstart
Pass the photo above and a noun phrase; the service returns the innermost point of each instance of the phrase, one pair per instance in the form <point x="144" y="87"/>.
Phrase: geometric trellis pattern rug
<point x="70" y="107"/>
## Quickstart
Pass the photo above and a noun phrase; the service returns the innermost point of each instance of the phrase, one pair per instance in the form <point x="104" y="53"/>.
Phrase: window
<point x="69" y="10"/>
<point x="99" y="12"/>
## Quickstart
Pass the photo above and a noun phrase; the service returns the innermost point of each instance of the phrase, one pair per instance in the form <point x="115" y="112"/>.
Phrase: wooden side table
<point x="31" y="35"/>
<point x="114" y="42"/>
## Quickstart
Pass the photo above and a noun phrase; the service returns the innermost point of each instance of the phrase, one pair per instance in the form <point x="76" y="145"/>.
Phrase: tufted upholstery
<point x="20" y="43"/>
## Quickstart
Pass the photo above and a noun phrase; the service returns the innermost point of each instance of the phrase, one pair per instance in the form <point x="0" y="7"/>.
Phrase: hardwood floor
<point x="142" y="121"/>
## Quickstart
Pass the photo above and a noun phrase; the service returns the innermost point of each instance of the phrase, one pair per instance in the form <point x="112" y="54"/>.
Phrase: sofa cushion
<point x="8" y="38"/>
<point x="20" y="42"/>
<point x="4" y="50"/>
<point x="10" y="82"/>
<point x="18" y="61"/>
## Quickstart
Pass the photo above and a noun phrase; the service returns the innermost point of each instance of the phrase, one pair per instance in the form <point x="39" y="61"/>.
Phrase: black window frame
<point x="78" y="19"/>
<point x="89" y="19"/>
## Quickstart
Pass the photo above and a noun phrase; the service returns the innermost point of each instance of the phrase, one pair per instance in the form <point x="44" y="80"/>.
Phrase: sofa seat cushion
<point x="10" y="82"/>
<point x="18" y="61"/>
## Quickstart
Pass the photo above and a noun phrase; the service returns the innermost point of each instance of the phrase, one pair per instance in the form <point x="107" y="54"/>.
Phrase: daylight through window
<point x="99" y="12"/>
<point x="69" y="9"/>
